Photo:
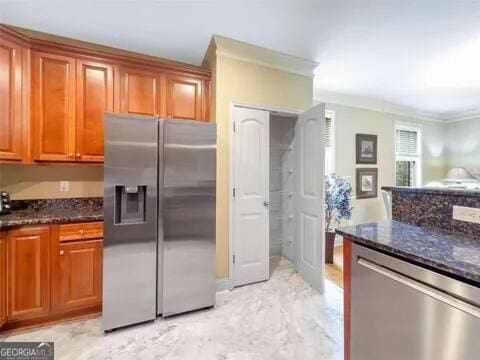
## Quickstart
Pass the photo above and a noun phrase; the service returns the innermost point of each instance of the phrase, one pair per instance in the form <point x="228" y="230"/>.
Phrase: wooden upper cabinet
<point x="11" y="115"/>
<point x="94" y="98"/>
<point x="141" y="92"/>
<point x="78" y="275"/>
<point x="53" y="107"/>
<point x="3" y="278"/>
<point x="184" y="97"/>
<point x="53" y="95"/>
<point x="206" y="101"/>
<point x="28" y="272"/>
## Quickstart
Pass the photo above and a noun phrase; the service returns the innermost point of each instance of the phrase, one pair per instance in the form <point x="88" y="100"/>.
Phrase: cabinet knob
<point x="82" y="232"/>
<point x="70" y="155"/>
<point x="78" y="155"/>
<point x="61" y="252"/>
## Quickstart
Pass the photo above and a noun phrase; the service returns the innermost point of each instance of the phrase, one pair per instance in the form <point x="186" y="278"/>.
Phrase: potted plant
<point x="338" y="206"/>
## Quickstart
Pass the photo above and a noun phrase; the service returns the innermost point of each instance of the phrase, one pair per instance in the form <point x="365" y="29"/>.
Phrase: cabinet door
<point x="94" y="98"/>
<point x="78" y="275"/>
<point x="206" y="100"/>
<point x="28" y="273"/>
<point x="184" y="97"/>
<point x="10" y="101"/>
<point x="140" y="92"/>
<point x="53" y="107"/>
<point x="3" y="278"/>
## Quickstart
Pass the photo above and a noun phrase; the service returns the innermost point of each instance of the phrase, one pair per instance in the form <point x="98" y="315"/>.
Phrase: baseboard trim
<point x="222" y="284"/>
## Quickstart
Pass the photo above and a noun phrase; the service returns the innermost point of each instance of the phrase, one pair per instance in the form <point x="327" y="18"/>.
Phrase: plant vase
<point x="329" y="244"/>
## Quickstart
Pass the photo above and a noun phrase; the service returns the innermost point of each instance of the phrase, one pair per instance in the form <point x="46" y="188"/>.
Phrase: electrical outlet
<point x="64" y="185"/>
<point x="467" y="214"/>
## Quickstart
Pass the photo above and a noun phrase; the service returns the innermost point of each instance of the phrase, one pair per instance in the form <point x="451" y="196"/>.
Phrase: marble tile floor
<point x="283" y="318"/>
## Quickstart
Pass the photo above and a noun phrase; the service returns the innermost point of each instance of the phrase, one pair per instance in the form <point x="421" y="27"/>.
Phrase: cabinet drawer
<point x="80" y="231"/>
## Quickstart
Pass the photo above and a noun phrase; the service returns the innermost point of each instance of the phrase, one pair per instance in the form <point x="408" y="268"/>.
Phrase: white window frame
<point x="418" y="157"/>
<point x="331" y="115"/>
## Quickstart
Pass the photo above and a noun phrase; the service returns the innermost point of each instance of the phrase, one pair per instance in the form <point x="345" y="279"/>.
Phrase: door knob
<point x="266" y="203"/>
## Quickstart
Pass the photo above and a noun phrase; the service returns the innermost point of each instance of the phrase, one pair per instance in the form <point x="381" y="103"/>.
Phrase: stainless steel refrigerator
<point x="159" y="218"/>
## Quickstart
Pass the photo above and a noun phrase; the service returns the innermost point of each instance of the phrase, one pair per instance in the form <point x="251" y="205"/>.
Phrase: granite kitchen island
<point x="415" y="288"/>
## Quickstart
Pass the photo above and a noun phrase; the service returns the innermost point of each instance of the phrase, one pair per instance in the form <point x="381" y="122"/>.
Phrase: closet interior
<point x="282" y="136"/>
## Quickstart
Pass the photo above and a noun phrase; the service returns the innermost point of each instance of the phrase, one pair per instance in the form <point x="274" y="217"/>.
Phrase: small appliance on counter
<point x="5" y="203"/>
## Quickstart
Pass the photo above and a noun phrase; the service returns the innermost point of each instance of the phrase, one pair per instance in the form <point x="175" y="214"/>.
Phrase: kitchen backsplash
<point x="434" y="208"/>
<point x="43" y="181"/>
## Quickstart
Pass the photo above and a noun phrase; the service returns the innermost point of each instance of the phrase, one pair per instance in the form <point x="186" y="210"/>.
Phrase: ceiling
<point x="420" y="56"/>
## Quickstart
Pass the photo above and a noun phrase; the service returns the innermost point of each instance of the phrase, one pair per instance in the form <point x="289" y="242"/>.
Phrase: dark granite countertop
<point x="48" y="211"/>
<point x="449" y="253"/>
<point x="433" y="191"/>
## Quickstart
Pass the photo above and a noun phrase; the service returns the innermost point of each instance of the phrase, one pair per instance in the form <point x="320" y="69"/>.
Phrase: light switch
<point x="64" y="185"/>
<point x="467" y="214"/>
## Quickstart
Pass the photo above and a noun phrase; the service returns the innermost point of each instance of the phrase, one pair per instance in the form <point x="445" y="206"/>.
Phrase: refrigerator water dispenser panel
<point x="130" y="203"/>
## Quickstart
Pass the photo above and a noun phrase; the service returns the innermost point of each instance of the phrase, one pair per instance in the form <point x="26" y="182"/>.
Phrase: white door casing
<point x="251" y="184"/>
<point x="309" y="195"/>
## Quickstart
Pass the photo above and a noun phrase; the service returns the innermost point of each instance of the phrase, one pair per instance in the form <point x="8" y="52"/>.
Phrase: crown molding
<point x="257" y="55"/>
<point x="391" y="108"/>
<point x="373" y="105"/>
<point x="467" y="115"/>
<point x="39" y="41"/>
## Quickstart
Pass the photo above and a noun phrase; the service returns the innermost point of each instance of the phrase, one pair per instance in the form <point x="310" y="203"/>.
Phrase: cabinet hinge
<point x="234" y="126"/>
<point x="234" y="258"/>
<point x="233" y="192"/>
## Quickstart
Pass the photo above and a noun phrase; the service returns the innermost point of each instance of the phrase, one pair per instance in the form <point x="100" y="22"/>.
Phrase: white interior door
<point x="309" y="195"/>
<point x="251" y="183"/>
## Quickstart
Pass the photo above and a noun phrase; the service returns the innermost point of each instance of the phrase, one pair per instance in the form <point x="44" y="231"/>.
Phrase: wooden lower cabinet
<point x="28" y="272"/>
<point x="3" y="278"/>
<point x="47" y="277"/>
<point x="78" y="275"/>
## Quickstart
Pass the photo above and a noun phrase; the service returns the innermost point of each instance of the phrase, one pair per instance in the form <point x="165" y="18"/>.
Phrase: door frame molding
<point x="231" y="185"/>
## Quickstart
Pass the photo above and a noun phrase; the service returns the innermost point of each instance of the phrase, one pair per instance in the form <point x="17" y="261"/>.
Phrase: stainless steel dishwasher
<point x="406" y="312"/>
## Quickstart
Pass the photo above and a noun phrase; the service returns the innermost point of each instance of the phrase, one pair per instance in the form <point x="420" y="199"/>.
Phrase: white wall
<point x="349" y="121"/>
<point x="463" y="144"/>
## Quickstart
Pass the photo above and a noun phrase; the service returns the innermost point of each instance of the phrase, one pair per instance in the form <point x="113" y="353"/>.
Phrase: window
<point x="329" y="142"/>
<point x="408" y="155"/>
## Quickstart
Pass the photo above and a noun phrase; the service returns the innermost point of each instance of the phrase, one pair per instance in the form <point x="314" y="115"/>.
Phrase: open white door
<point x="251" y="196"/>
<point x="309" y="195"/>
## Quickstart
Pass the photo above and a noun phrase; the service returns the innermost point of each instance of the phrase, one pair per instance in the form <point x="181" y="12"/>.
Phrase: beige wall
<point x="43" y="181"/>
<point x="463" y="144"/>
<point x="242" y="81"/>
<point x="350" y="121"/>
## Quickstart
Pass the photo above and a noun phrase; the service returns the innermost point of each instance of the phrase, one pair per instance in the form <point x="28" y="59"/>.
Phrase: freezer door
<point x="188" y="216"/>
<point x="130" y="220"/>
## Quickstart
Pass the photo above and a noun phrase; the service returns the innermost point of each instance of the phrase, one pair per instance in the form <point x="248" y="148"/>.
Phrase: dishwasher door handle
<point x="421" y="287"/>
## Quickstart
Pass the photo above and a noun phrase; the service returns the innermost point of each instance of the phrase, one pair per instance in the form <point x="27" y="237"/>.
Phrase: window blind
<point x="328" y="132"/>
<point x="406" y="142"/>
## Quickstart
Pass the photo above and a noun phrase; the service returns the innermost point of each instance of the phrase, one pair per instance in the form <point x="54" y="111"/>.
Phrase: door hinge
<point x="234" y="258"/>
<point x="233" y="192"/>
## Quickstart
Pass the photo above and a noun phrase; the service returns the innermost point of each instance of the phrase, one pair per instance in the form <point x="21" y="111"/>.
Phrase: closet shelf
<point x="288" y="171"/>
<point x="283" y="147"/>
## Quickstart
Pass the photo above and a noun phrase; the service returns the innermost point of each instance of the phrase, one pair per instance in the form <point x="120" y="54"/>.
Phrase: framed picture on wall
<point x="367" y="183"/>
<point x="366" y="148"/>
